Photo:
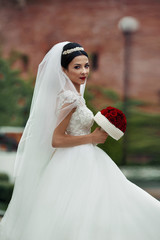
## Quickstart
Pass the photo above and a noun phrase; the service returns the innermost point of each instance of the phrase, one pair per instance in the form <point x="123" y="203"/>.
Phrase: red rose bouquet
<point x="113" y="121"/>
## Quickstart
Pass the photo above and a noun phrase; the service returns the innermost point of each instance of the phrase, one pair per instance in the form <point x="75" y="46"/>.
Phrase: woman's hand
<point x="60" y="139"/>
<point x="99" y="136"/>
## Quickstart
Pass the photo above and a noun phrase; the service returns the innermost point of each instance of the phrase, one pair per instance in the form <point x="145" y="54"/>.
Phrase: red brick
<point x="40" y="24"/>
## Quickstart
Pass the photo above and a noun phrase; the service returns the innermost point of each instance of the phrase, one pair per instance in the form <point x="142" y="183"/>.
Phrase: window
<point x="94" y="61"/>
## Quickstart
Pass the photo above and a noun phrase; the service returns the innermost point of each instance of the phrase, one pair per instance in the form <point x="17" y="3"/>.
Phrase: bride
<point x="66" y="188"/>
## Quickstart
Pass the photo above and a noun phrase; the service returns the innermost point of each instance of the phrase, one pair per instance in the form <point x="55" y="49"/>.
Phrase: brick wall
<point x="34" y="28"/>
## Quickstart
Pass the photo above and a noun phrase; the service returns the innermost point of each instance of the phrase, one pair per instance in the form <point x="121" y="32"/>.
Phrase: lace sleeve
<point x="65" y="103"/>
<point x="66" y="98"/>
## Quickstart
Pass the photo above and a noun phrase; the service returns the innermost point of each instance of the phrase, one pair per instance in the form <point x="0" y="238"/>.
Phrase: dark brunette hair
<point x="67" y="58"/>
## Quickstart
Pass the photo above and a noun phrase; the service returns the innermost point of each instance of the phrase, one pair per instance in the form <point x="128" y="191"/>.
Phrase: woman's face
<point x="78" y="71"/>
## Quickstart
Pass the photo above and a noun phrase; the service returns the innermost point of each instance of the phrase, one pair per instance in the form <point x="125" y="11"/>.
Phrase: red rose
<point x="104" y="111"/>
<point x="109" y="108"/>
<point x="113" y="113"/>
<point x="116" y="117"/>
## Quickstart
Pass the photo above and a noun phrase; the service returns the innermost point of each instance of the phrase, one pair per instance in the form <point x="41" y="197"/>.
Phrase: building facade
<point x="33" y="27"/>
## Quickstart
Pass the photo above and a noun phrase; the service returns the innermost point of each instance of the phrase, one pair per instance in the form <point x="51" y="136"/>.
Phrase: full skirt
<point x="83" y="195"/>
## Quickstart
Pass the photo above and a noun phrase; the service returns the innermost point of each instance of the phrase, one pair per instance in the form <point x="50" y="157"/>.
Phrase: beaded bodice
<point x="82" y="118"/>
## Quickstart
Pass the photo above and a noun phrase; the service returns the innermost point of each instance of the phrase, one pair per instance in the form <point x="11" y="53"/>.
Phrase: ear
<point x="64" y="70"/>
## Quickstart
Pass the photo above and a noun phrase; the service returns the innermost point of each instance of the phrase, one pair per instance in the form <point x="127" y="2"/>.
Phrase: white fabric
<point x="75" y="126"/>
<point x="35" y="148"/>
<point x="107" y="126"/>
<point x="82" y="195"/>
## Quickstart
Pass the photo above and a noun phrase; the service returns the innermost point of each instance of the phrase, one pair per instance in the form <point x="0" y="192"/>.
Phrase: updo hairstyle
<point x="68" y="57"/>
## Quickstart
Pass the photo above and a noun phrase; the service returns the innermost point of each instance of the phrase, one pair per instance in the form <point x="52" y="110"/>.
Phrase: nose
<point x="84" y="71"/>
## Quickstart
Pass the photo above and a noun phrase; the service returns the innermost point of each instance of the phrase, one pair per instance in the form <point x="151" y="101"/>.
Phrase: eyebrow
<point x="80" y="64"/>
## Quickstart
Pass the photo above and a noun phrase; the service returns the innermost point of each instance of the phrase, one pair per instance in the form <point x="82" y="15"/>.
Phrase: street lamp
<point x="128" y="25"/>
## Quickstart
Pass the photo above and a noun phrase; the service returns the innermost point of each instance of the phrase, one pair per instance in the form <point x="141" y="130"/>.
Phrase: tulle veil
<point x="35" y="147"/>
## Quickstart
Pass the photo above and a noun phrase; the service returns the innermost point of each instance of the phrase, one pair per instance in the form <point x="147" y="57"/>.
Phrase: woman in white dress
<point x="66" y="188"/>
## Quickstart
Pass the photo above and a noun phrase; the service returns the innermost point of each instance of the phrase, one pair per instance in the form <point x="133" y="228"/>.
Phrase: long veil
<point x="35" y="148"/>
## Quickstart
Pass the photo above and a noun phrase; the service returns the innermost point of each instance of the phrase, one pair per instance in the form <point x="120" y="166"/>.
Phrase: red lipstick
<point x="83" y="78"/>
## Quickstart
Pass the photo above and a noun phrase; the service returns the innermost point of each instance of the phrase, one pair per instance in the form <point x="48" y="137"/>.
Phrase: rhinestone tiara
<point x="73" y="50"/>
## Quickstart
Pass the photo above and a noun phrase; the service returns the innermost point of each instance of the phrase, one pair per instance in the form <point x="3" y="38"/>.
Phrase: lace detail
<point x="82" y="119"/>
<point x="67" y="97"/>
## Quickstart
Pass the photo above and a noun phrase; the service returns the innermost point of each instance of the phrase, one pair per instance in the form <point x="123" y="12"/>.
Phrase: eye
<point x="77" y="67"/>
<point x="87" y="65"/>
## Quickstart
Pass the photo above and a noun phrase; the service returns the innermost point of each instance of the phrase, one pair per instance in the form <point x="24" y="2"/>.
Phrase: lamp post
<point x="128" y="25"/>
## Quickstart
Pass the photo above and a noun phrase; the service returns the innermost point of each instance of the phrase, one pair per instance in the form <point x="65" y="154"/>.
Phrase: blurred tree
<point x="6" y="190"/>
<point x="143" y="128"/>
<point x="15" y="95"/>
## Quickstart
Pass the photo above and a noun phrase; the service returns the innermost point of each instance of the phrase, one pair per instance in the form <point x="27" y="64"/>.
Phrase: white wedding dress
<point x="83" y="195"/>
